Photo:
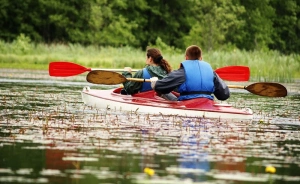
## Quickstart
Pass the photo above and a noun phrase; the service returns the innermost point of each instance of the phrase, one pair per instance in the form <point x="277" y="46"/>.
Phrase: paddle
<point x="234" y="73"/>
<point x="65" y="69"/>
<point x="262" y="88"/>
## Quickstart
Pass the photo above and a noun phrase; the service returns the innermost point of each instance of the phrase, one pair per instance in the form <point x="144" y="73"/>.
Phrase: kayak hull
<point x="149" y="102"/>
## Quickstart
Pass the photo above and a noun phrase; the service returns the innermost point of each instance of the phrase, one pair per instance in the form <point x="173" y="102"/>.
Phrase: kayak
<point x="149" y="102"/>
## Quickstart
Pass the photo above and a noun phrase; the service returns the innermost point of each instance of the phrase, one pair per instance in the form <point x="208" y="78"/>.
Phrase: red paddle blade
<point x="65" y="69"/>
<point x="234" y="73"/>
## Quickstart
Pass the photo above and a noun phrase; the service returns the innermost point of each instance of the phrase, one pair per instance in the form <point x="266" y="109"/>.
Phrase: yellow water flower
<point x="149" y="171"/>
<point x="270" y="169"/>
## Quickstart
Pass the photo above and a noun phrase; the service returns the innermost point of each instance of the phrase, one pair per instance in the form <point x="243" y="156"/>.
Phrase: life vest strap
<point x="195" y="93"/>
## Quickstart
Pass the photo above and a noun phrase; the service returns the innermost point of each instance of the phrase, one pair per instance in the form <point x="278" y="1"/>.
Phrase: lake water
<point x="47" y="135"/>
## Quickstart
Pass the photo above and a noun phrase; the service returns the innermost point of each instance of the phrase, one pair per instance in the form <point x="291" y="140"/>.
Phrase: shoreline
<point x="43" y="76"/>
<point x="38" y="75"/>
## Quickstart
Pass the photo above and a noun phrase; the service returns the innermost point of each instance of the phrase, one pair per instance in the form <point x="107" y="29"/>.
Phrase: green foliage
<point x="167" y="20"/>
<point x="215" y="20"/>
<point x="264" y="65"/>
<point x="163" y="46"/>
<point x="108" y="28"/>
<point x="286" y="38"/>
<point x="213" y="25"/>
<point x="22" y="44"/>
<point x="258" y="29"/>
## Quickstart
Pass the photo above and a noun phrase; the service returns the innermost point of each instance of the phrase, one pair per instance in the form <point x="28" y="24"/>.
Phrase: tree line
<point x="217" y="24"/>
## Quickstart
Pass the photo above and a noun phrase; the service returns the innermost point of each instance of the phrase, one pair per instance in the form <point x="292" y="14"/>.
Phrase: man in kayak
<point x="156" y="66"/>
<point x="194" y="79"/>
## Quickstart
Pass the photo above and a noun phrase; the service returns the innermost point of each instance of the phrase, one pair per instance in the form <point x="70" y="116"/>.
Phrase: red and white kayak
<point x="149" y="102"/>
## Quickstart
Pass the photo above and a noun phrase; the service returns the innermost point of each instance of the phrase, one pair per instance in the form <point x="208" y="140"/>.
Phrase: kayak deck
<point x="149" y="102"/>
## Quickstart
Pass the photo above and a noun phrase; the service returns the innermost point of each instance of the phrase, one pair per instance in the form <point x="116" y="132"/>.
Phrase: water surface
<point x="47" y="135"/>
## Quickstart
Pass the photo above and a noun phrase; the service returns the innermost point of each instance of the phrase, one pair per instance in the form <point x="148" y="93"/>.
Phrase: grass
<point x="264" y="66"/>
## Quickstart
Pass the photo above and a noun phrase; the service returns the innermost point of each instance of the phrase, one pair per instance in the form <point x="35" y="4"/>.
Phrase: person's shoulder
<point x="154" y="68"/>
<point x="138" y="73"/>
<point x="179" y="70"/>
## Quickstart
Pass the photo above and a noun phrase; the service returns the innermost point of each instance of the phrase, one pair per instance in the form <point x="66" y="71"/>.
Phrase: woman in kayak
<point x="194" y="79"/>
<point x="156" y="66"/>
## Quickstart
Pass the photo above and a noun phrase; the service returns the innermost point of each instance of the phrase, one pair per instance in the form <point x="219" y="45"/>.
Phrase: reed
<point x="264" y="65"/>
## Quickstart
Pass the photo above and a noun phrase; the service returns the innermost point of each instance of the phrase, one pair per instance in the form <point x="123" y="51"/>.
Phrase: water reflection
<point x="48" y="136"/>
<point x="193" y="161"/>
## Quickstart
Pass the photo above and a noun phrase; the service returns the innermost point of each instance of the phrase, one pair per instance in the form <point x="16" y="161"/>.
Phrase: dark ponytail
<point x="158" y="59"/>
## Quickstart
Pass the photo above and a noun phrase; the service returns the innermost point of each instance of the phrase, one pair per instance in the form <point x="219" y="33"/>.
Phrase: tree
<point x="109" y="23"/>
<point x="16" y="17"/>
<point x="245" y="24"/>
<point x="287" y="24"/>
<point x="214" y="20"/>
<point x="165" y="19"/>
<point x="258" y="29"/>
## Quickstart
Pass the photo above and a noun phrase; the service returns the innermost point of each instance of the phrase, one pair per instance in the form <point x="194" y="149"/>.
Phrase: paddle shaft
<point x="113" y="69"/>
<point x="261" y="88"/>
<point x="237" y="86"/>
<point x="148" y="80"/>
<point x="66" y="69"/>
<point x="138" y="80"/>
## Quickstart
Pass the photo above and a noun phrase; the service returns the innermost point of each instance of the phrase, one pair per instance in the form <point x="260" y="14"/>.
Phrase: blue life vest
<point x="199" y="80"/>
<point x="146" y="85"/>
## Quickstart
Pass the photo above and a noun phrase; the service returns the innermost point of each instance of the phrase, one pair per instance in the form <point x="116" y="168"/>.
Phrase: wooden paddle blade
<point x="267" y="89"/>
<point x="234" y="73"/>
<point x="105" y="77"/>
<point x="65" y="69"/>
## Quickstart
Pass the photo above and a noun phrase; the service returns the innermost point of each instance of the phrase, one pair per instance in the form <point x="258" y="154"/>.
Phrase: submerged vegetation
<point x="264" y="65"/>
